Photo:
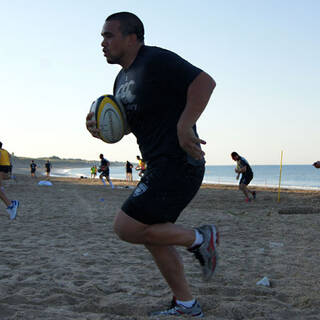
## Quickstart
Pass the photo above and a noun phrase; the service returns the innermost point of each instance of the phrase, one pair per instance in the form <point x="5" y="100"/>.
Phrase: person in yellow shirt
<point x="141" y="167"/>
<point x="94" y="172"/>
<point x="5" y="170"/>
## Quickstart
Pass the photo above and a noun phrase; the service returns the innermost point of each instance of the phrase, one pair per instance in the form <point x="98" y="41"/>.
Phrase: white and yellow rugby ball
<point x="110" y="117"/>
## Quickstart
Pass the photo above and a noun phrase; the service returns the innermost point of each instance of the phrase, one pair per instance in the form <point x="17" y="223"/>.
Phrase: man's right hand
<point x="92" y="125"/>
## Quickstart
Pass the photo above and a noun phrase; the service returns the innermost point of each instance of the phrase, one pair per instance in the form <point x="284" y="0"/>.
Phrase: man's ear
<point x="132" y="39"/>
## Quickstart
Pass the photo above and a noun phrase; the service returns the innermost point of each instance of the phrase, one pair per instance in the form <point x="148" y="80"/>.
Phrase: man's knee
<point x="119" y="230"/>
<point x="128" y="229"/>
<point x="137" y="237"/>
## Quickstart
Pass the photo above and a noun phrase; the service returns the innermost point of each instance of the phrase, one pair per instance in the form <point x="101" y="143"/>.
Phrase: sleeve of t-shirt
<point x="178" y="72"/>
<point x="243" y="163"/>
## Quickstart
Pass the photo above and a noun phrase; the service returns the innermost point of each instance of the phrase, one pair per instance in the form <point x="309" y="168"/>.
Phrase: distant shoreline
<point x="24" y="162"/>
<point x="121" y="182"/>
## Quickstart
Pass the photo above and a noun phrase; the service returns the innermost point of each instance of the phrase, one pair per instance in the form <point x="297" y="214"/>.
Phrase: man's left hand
<point x="190" y="143"/>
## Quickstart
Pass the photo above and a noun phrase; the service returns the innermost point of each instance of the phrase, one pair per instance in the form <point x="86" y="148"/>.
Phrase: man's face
<point x="235" y="158"/>
<point x="114" y="44"/>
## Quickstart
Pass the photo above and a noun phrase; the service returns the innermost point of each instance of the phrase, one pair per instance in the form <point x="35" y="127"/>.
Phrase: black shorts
<point x="105" y="173"/>
<point x="33" y="170"/>
<point x="5" y="169"/>
<point x="246" y="178"/>
<point x="164" y="191"/>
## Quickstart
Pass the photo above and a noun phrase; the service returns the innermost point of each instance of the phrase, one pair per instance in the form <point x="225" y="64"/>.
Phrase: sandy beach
<point x="61" y="260"/>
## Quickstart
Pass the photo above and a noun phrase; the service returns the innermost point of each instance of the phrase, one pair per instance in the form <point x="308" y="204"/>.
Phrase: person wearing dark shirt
<point x="33" y="168"/>
<point x="129" y="167"/>
<point x="163" y="96"/>
<point x="244" y="168"/>
<point x="48" y="167"/>
<point x="105" y="171"/>
<point x="316" y="164"/>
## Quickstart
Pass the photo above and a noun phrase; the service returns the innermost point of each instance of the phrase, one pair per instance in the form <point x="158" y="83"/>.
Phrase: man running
<point x="105" y="171"/>
<point x="163" y="95"/>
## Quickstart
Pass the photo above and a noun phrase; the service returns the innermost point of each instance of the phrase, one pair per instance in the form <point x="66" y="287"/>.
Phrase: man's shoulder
<point x="243" y="161"/>
<point x="156" y="50"/>
<point x="151" y="53"/>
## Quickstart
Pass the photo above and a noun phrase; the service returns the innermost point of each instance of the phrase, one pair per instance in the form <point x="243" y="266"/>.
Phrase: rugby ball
<point x="110" y="117"/>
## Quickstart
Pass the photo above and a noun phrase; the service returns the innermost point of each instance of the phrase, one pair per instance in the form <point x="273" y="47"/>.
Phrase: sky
<point x="263" y="55"/>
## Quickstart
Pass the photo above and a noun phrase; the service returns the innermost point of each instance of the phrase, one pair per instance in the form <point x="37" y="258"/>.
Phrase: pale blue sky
<point x="264" y="56"/>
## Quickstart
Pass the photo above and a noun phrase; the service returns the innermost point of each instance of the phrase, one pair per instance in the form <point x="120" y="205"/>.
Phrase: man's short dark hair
<point x="234" y="154"/>
<point x="129" y="24"/>
<point x="0" y="145"/>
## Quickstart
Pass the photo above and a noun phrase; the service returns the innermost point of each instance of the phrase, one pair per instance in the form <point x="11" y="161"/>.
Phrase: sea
<point x="292" y="176"/>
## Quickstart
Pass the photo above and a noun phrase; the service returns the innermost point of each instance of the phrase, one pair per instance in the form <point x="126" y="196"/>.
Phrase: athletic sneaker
<point x="179" y="310"/>
<point x="206" y="252"/>
<point x="12" y="210"/>
<point x="254" y="194"/>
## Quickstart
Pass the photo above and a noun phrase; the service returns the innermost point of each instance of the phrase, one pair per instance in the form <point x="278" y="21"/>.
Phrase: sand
<point x="61" y="260"/>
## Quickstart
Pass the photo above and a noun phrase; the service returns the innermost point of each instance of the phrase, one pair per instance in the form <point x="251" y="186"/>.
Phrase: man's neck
<point x="129" y="59"/>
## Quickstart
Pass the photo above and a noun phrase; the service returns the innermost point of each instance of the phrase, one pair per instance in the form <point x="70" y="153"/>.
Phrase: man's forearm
<point x="198" y="95"/>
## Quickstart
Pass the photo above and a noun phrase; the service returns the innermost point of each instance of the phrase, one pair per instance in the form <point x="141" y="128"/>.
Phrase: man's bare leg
<point x="3" y="197"/>
<point x="171" y="268"/>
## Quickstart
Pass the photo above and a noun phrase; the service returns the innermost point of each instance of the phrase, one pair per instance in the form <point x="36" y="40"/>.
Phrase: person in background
<point x="163" y="95"/>
<point x="316" y="164"/>
<point x="5" y="170"/>
<point x="246" y="172"/>
<point x="48" y="167"/>
<point x="141" y="167"/>
<point x="33" y="168"/>
<point x="129" y="167"/>
<point x="93" y="171"/>
<point x="105" y="170"/>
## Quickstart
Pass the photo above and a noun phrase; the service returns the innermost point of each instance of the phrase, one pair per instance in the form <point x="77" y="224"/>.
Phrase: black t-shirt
<point x="153" y="91"/>
<point x="48" y="166"/>
<point x="104" y="165"/>
<point x="128" y="167"/>
<point x="33" y="166"/>
<point x="243" y="162"/>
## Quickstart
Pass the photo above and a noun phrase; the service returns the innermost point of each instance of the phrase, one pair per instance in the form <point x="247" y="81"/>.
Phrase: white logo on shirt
<point x="140" y="189"/>
<point x="125" y="92"/>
